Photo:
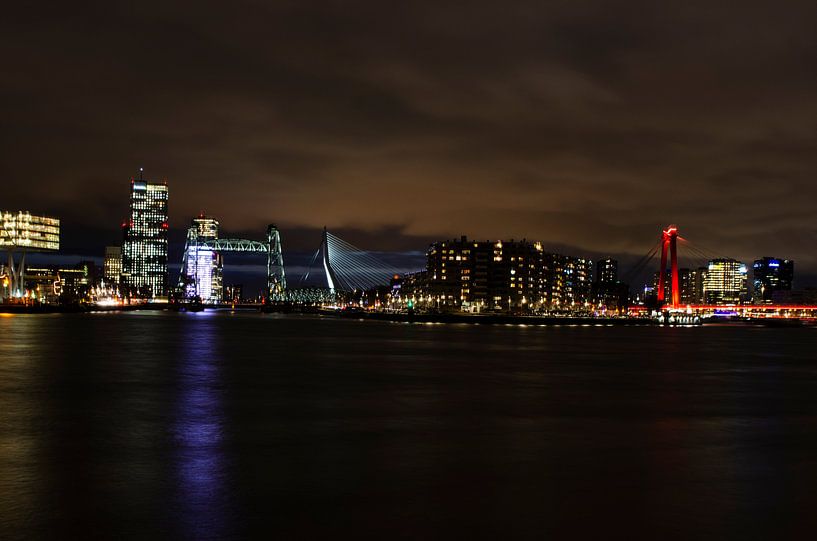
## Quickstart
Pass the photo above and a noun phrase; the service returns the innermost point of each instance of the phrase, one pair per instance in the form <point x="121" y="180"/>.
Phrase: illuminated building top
<point x="25" y="231"/>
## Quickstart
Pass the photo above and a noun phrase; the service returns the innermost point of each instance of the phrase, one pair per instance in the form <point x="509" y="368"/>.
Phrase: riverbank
<point x="74" y="308"/>
<point x="494" y="319"/>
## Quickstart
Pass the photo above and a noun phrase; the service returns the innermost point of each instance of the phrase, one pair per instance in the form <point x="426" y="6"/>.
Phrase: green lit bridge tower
<point x="276" y="278"/>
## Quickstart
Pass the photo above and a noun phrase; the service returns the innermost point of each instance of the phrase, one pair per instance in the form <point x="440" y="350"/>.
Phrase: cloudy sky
<point x="585" y="124"/>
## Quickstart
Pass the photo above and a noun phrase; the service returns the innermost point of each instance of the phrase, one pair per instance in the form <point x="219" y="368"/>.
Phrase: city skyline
<point x="563" y="123"/>
<point x="555" y="280"/>
<point x="406" y="260"/>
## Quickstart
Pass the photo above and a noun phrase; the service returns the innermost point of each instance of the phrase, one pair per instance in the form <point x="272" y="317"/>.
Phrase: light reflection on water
<point x="199" y="432"/>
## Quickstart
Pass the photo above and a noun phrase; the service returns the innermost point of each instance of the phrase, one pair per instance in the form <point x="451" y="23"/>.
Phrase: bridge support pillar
<point x="669" y="243"/>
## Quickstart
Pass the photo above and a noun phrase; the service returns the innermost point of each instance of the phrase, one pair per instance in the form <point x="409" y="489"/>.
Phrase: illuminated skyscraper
<point x="144" y="252"/>
<point x="204" y="266"/>
<point x="724" y="282"/>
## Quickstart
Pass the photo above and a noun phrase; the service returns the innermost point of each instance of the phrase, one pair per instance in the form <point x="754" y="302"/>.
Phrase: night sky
<point x="584" y="124"/>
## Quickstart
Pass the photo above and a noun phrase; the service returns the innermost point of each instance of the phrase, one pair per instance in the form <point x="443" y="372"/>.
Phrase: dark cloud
<point x="589" y="124"/>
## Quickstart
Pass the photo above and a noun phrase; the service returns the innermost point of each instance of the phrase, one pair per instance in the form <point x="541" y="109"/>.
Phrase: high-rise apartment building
<point x="724" y="282"/>
<point x="112" y="266"/>
<point x="484" y="275"/>
<point x="771" y="274"/>
<point x="606" y="271"/>
<point x="144" y="251"/>
<point x="505" y="275"/>
<point x="608" y="292"/>
<point x="578" y="281"/>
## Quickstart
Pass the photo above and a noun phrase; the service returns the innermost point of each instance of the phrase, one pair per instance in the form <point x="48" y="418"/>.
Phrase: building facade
<point x="204" y="266"/>
<point x="725" y="282"/>
<point x="144" y="251"/>
<point x="771" y="274"/>
<point x="112" y="265"/>
<point x="22" y="232"/>
<point x="608" y="292"/>
<point x="690" y="285"/>
<point x="505" y="276"/>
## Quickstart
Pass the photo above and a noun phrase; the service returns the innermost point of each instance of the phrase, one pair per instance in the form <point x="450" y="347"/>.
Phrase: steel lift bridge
<point x="195" y="244"/>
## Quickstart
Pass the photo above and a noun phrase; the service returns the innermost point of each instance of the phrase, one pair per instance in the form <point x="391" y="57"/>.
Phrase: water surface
<point x="219" y="426"/>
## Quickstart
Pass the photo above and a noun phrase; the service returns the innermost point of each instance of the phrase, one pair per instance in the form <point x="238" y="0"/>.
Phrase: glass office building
<point x="724" y="282"/>
<point x="771" y="274"/>
<point x="144" y="251"/>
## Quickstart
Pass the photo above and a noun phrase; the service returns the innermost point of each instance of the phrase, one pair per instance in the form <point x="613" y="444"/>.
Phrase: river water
<point x="222" y="426"/>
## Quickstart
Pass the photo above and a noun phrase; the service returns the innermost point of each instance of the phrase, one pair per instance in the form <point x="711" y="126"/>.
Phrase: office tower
<point x="204" y="267"/>
<point x="771" y="274"/>
<point x="724" y="282"/>
<point x="112" y="267"/>
<point x="144" y="251"/>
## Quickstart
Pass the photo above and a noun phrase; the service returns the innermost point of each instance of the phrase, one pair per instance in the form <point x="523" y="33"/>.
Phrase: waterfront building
<point x="457" y="273"/>
<point x="412" y="289"/>
<point x="608" y="292"/>
<point x="690" y="282"/>
<point x="771" y="274"/>
<point x="64" y="284"/>
<point x="517" y="276"/>
<point x="553" y="278"/>
<point x="144" y="251"/>
<point x="578" y="282"/>
<point x="567" y="282"/>
<point x="234" y="293"/>
<point x="43" y="284"/>
<point x="725" y="282"/>
<point x="606" y="271"/>
<point x="484" y="275"/>
<point x="22" y="232"/>
<point x="690" y="285"/>
<point x="112" y="266"/>
<point x="204" y="266"/>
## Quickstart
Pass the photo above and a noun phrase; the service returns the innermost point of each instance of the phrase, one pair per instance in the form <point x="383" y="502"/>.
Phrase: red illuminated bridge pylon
<point x="669" y="242"/>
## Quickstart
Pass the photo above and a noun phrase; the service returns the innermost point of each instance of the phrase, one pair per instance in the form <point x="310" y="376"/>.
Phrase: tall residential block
<point x="505" y="276"/>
